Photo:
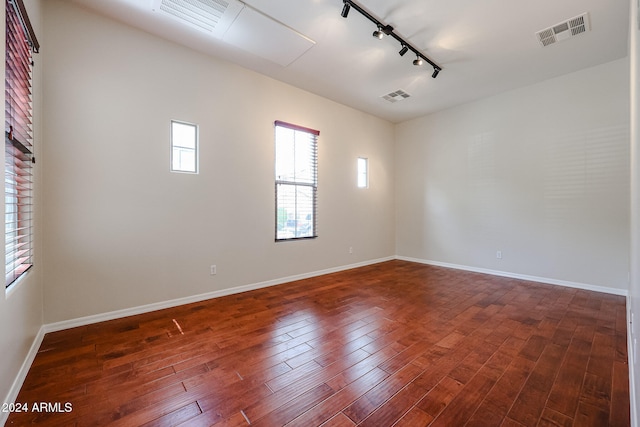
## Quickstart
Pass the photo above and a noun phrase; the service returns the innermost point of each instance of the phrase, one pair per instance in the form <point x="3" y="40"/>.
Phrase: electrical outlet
<point x="214" y="270"/>
<point x="499" y="254"/>
<point x="350" y="249"/>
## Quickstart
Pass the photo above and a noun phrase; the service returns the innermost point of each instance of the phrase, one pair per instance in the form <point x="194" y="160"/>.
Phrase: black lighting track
<point x="388" y="30"/>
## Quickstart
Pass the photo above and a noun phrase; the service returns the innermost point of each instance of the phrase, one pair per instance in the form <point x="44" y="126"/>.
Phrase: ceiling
<point x="483" y="47"/>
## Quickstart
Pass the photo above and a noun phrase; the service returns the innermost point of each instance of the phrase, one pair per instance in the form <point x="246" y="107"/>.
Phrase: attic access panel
<point x="266" y="37"/>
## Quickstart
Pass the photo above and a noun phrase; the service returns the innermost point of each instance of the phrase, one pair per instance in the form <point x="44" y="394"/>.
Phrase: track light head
<point x="404" y="50"/>
<point x="345" y="10"/>
<point x="382" y="31"/>
<point x="436" y="70"/>
<point x="418" y="61"/>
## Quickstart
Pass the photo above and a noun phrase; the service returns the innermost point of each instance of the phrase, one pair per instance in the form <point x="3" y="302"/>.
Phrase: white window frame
<point x="195" y="149"/>
<point x="362" y="180"/>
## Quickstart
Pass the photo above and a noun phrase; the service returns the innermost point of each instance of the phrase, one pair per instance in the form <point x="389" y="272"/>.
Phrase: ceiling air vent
<point x="396" y="96"/>
<point x="564" y="30"/>
<point x="213" y="16"/>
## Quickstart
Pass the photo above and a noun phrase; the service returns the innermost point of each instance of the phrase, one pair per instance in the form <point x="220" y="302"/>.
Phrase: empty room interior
<point x="321" y="212"/>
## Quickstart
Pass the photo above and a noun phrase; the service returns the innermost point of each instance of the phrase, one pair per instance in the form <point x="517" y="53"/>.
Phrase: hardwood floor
<point x="396" y="343"/>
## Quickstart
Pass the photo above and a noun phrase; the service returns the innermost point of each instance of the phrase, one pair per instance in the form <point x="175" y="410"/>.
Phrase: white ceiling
<point x="484" y="47"/>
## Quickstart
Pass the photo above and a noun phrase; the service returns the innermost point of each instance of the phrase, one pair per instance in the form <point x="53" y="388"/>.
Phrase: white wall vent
<point x="213" y="16"/>
<point x="564" y="30"/>
<point x="396" y="96"/>
<point x="241" y="25"/>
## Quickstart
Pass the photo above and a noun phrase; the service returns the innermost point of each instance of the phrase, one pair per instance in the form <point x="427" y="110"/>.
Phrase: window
<point x="184" y="147"/>
<point x="296" y="181"/>
<point x="20" y="42"/>
<point x="363" y="172"/>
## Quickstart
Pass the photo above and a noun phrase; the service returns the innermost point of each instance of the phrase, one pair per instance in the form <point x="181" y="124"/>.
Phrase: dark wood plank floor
<point x="396" y="343"/>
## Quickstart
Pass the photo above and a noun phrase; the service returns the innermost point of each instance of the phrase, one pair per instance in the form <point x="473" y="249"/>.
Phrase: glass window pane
<point x="184" y="147"/>
<point x="184" y="135"/>
<point x="363" y="172"/>
<point x="285" y="150"/>
<point x="295" y="211"/>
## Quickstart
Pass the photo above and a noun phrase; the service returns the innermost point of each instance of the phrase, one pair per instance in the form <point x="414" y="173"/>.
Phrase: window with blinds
<point x="296" y="181"/>
<point x="20" y="42"/>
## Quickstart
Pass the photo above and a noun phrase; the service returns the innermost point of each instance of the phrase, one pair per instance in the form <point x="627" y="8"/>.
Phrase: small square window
<point x="184" y="147"/>
<point x="363" y="172"/>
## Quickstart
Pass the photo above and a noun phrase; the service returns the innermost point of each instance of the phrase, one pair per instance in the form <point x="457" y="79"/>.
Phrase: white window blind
<point x="296" y="181"/>
<point x="20" y="41"/>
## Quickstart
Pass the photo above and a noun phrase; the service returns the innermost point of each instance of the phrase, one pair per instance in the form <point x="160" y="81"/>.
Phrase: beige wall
<point x="540" y="173"/>
<point x="122" y="231"/>
<point x="21" y="307"/>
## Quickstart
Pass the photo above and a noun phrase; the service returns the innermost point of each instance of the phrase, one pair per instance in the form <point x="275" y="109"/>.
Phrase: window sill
<point x="15" y="285"/>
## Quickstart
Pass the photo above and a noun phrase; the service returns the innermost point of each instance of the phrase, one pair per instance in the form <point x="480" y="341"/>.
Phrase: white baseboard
<point x="82" y="321"/>
<point x="22" y="373"/>
<point x="607" y="290"/>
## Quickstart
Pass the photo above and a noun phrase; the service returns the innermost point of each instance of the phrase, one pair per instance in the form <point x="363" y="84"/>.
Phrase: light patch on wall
<point x="483" y="184"/>
<point x="580" y="169"/>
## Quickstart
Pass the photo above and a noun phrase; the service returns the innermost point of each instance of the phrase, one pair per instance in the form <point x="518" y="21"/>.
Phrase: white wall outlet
<point x="350" y="249"/>
<point x="214" y="270"/>
<point x="499" y="254"/>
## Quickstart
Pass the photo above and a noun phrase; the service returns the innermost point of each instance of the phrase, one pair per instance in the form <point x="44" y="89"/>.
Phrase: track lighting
<point x="388" y="30"/>
<point x="345" y="10"/>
